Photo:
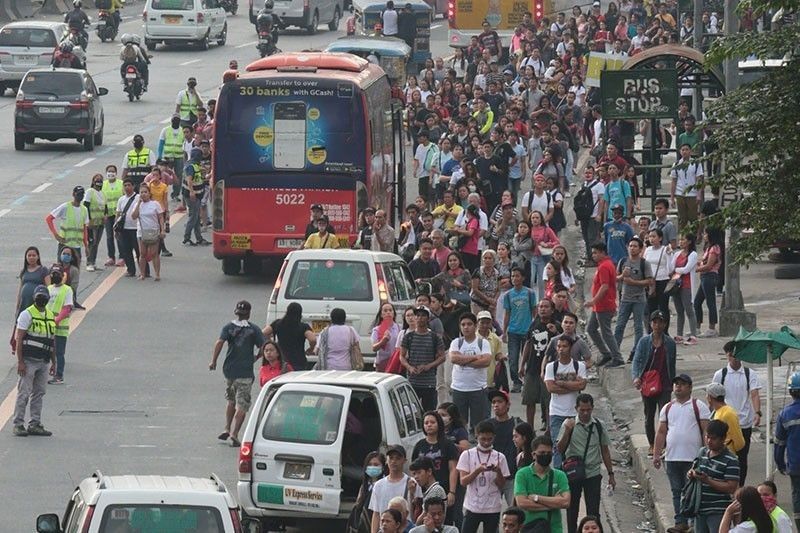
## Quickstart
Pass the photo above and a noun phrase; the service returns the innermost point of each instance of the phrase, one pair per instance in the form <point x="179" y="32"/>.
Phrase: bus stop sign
<point x="643" y="93"/>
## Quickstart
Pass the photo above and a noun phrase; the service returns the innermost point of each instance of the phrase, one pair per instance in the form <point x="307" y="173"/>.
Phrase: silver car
<point x="27" y="45"/>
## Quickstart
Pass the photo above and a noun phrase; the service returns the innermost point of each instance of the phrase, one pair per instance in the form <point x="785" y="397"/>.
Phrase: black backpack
<point x="583" y="203"/>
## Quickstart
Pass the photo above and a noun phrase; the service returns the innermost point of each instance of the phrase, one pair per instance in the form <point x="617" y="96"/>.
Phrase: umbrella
<point x="762" y="347"/>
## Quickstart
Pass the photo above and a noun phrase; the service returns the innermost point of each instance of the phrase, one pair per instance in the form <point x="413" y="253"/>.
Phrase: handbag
<point x="150" y="236"/>
<point x="575" y="467"/>
<point x="119" y="224"/>
<point x="394" y="366"/>
<point x="356" y="358"/>
<point x="651" y="381"/>
<point x="672" y="287"/>
<point x="691" y="495"/>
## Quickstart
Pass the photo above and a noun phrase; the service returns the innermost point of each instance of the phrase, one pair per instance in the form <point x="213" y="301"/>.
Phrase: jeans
<point x="676" y="473"/>
<point x="537" y="273"/>
<point x="111" y="239"/>
<point x="473" y="406"/>
<point x="128" y="247"/>
<point x="554" y="424"/>
<point x="95" y="234"/>
<point x="626" y="310"/>
<point x="31" y="388"/>
<point x="707" y="293"/>
<point x="684" y="309"/>
<point x="658" y="301"/>
<point x="591" y="492"/>
<point x="599" y="330"/>
<point x="514" y="185"/>
<point x="490" y="521"/>
<point x="747" y="433"/>
<point x="427" y="397"/>
<point x="61" y="349"/>
<point x="515" y="344"/>
<point x="193" y="205"/>
<point x="707" y="523"/>
<point x="590" y="230"/>
<point x="652" y="406"/>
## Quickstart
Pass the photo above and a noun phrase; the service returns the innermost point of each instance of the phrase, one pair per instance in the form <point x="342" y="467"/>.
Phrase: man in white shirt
<point x="590" y="229"/>
<point x="470" y="355"/>
<point x="564" y="378"/>
<point x="395" y="483"/>
<point x="537" y="200"/>
<point x="126" y="236"/>
<point x="683" y="194"/>
<point x="682" y="424"/>
<point x="424" y="158"/>
<point x="742" y="393"/>
<point x="389" y="20"/>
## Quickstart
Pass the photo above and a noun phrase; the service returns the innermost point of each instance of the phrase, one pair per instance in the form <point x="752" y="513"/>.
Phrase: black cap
<point x="683" y="377"/>
<point x="658" y="315"/>
<point x="369" y="210"/>
<point x="242" y="308"/>
<point x="78" y="189"/>
<point x="317" y="206"/>
<point x="396" y="448"/>
<point x="41" y="289"/>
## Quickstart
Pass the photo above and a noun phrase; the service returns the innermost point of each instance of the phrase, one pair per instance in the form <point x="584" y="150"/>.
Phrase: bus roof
<point x="380" y="5"/>
<point x="385" y="46"/>
<point x="315" y="64"/>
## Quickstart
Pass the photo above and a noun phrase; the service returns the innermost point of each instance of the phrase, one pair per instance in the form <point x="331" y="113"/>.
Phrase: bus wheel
<point x="252" y="265"/>
<point x="231" y="265"/>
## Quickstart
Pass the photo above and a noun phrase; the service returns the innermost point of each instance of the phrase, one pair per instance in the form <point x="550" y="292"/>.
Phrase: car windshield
<point x="55" y="83"/>
<point x="326" y="279"/>
<point x="176" y="5"/>
<point x="149" y="518"/>
<point x="304" y="417"/>
<point x="28" y="37"/>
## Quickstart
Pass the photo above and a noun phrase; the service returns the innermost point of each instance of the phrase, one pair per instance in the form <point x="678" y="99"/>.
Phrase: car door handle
<point x="327" y="471"/>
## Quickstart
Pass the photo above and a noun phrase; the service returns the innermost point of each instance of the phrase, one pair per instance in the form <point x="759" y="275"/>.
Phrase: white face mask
<point x="111" y="175"/>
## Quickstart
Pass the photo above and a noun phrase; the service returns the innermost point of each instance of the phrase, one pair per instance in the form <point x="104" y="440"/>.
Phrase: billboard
<point x="501" y="14"/>
<point x="635" y="94"/>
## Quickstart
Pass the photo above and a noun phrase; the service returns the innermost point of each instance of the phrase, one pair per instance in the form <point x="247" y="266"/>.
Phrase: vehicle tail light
<point x="218" y="205"/>
<point x="131" y="69"/>
<point x="200" y="18"/>
<point x="3" y="54"/>
<point x="81" y="103"/>
<point x="22" y="103"/>
<point x="246" y="458"/>
<point x="383" y="294"/>
<point x="88" y="520"/>
<point x="451" y="11"/>
<point x="237" y="524"/>
<point x="144" y="15"/>
<point x="274" y="298"/>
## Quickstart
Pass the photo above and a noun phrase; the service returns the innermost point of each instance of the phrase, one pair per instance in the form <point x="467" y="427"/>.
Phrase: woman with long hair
<point x="292" y="334"/>
<point x="522" y="246"/>
<point x="149" y="215"/>
<point x="486" y="284"/>
<point x="708" y="268"/>
<point x="71" y="269"/>
<point x="455" y="280"/>
<point x="459" y="63"/>
<point x="746" y="514"/>
<point x="453" y="425"/>
<point x="384" y="335"/>
<point x="545" y="241"/>
<point x="32" y="275"/>
<point x="523" y="438"/>
<point x="374" y="469"/>
<point x="441" y="451"/>
<point x="561" y="256"/>
<point x="660" y="258"/>
<point x="272" y="363"/>
<point x="683" y="264"/>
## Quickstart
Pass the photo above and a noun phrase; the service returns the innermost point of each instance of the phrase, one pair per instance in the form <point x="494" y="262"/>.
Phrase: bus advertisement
<point x="293" y="131"/>
<point x="466" y="17"/>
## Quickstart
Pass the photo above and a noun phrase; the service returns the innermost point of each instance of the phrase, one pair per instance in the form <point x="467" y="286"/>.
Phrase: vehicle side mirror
<point x="47" y="523"/>
<point x="351" y="8"/>
<point x="102" y="91"/>
<point x="251" y="525"/>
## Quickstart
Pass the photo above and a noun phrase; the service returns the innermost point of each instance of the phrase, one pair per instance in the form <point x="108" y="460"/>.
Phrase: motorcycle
<point x="79" y="37"/>
<point x="106" y="27"/>
<point x="133" y="83"/>
<point x="266" y="42"/>
<point x="230" y="6"/>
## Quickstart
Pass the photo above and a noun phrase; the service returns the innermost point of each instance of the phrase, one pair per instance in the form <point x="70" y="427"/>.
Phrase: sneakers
<point x="679" y="528"/>
<point x="109" y="262"/>
<point x="180" y="209"/>
<point x="120" y="263"/>
<point x="650" y="452"/>
<point x="691" y="341"/>
<point x="615" y="363"/>
<point x="166" y="253"/>
<point x="568" y="194"/>
<point x="188" y="242"/>
<point x="20" y="431"/>
<point x="37" y="430"/>
<point x="516" y="387"/>
<point x="56" y="381"/>
<point x="90" y="268"/>
<point x="678" y="338"/>
<point x="708" y="334"/>
<point x="203" y="242"/>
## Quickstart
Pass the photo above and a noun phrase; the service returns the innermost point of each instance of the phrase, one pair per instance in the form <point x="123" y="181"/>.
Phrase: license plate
<point x="172" y="20"/>
<point x="50" y="110"/>
<point x="26" y="60"/>
<point x="101" y="25"/>
<point x="299" y="471"/>
<point x="130" y="75"/>
<point x="241" y="242"/>
<point x="291" y="244"/>
<point x="319" y="325"/>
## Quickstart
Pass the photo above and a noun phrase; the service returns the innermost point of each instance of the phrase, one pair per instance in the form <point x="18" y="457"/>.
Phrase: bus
<point x="465" y="17"/>
<point x="294" y="130"/>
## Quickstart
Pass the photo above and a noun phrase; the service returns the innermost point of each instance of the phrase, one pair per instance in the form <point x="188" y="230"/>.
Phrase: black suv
<point x="57" y="103"/>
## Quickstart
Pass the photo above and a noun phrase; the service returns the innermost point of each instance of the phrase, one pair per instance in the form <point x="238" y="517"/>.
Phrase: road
<point x="138" y="396"/>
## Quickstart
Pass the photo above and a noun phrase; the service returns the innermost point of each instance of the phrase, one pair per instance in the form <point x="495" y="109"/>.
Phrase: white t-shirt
<point x="60" y="213"/>
<point x="482" y="494"/>
<point x="564" y="404"/>
<point x="744" y="527"/>
<point x="686" y="177"/>
<point x="148" y="216"/>
<point x="420" y="156"/>
<point x="660" y="262"/>
<point x="384" y="490"/>
<point x="567" y="280"/>
<point x="736" y="394"/>
<point x="536" y="203"/>
<point x="390" y="22"/>
<point x="24" y="320"/>
<point x="130" y="223"/>
<point x="468" y="379"/>
<point x="598" y="193"/>
<point x="683" y="435"/>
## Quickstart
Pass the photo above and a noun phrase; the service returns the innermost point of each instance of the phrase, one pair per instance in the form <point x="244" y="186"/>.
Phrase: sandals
<point x="224" y="435"/>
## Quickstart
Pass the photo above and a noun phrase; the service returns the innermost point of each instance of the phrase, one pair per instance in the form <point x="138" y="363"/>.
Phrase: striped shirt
<point x="722" y="467"/>
<point x="421" y="350"/>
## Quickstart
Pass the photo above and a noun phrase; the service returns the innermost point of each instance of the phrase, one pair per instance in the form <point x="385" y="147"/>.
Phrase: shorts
<point x="534" y="390"/>
<point x="238" y="391"/>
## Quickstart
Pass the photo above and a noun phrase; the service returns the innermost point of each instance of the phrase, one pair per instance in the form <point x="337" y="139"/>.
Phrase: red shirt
<point x="269" y="372"/>
<point x="606" y="275"/>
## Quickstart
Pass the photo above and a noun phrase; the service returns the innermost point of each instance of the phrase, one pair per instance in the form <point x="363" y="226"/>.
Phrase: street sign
<point x="635" y="94"/>
<point x="729" y="194"/>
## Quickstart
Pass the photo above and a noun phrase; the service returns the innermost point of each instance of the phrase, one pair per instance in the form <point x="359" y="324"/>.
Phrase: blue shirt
<point x="787" y="439"/>
<point x="618" y="192"/>
<point x="617" y="236"/>
<point x="447" y="168"/>
<point x="520" y="305"/>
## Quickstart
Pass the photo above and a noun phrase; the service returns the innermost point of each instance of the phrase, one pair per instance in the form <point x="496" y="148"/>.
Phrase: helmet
<point x="269" y="4"/>
<point x="66" y="47"/>
<point x="131" y="38"/>
<point x="76" y="3"/>
<point x="794" y="382"/>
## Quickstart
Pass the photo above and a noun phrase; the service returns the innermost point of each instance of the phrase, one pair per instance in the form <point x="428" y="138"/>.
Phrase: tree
<point x="757" y="132"/>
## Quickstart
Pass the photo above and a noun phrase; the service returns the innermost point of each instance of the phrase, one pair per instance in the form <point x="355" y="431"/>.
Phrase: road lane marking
<point x="137" y="445"/>
<point x="189" y="62"/>
<point x="41" y="187"/>
<point x="85" y="162"/>
<point x="9" y="403"/>
<point x="62" y="175"/>
<point x="148" y="128"/>
<point x="105" y="150"/>
<point x="436" y="26"/>
<point x="245" y="45"/>
<point x="125" y="141"/>
<point x="20" y="200"/>
<point x="4" y="212"/>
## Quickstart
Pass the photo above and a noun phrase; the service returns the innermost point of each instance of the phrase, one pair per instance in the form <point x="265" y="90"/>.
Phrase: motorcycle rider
<point x="116" y="18"/>
<point x="65" y="53"/>
<point x="78" y="20"/>
<point x="266" y="19"/>
<point x="131" y="54"/>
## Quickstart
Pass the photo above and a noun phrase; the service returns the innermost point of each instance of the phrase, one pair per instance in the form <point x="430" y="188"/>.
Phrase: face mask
<point x="111" y="175"/>
<point x="176" y="123"/>
<point x="485" y="448"/>
<point x="374" y="471"/>
<point x="98" y="185"/>
<point x="56" y="277"/>
<point x="192" y="85"/>
<point x="79" y="197"/>
<point x="66" y="258"/>
<point x="41" y="300"/>
<point x="138" y="145"/>
<point x="544" y="459"/>
<point x="472" y="188"/>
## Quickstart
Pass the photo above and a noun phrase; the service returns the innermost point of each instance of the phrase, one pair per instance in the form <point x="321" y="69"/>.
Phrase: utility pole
<point x="733" y="314"/>
<point x="697" y="39"/>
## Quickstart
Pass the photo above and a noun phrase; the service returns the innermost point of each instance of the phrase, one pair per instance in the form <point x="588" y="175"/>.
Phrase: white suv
<point x="146" y="503"/>
<point x="184" y="21"/>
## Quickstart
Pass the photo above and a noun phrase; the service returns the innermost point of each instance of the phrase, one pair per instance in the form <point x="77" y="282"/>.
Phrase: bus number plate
<point x="290" y="244"/>
<point x="240" y="242"/>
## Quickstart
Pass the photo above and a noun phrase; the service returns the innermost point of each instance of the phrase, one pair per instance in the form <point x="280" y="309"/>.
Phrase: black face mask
<point x="176" y="123"/>
<point x="544" y="459"/>
<point x="138" y="145"/>
<point x="192" y="85"/>
<point x="56" y="277"/>
<point x="41" y="301"/>
<point x="98" y="185"/>
<point x="79" y="197"/>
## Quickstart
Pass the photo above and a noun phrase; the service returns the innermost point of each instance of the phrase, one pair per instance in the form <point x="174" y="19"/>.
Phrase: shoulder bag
<point x="119" y="224"/>
<point x="691" y="495"/>
<point x="356" y="358"/>
<point x="651" y="379"/>
<point x="574" y="466"/>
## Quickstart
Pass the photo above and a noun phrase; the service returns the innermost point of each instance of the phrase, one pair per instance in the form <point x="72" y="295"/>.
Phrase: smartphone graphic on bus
<point x="290" y="135"/>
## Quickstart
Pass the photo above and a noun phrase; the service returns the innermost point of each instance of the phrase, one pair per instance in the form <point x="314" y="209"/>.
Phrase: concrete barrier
<point x="24" y="9"/>
<point x="6" y="13"/>
<point x="56" y="6"/>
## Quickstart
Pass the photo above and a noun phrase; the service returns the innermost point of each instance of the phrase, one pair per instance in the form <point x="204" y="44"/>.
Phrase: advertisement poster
<point x="599" y="62"/>
<point x="290" y="125"/>
<point x="501" y="14"/>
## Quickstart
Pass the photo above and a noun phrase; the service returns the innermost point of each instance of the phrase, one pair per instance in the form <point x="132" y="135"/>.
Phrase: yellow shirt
<point x="159" y="191"/>
<point x="734" y="440"/>
<point x="495" y="348"/>
<point x="448" y="216"/>
<point x="314" y="241"/>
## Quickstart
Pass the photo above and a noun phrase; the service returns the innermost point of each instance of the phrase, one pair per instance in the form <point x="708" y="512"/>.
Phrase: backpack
<point x="746" y="375"/>
<point x="129" y="53"/>
<point x="531" y="194"/>
<point x="696" y="416"/>
<point x="480" y="342"/>
<point x="583" y="204"/>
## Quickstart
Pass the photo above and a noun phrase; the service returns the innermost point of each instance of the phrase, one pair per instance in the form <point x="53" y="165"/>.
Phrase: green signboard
<point x="634" y="94"/>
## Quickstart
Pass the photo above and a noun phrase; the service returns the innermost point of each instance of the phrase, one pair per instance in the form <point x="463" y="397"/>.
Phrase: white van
<point x="306" y="14"/>
<point x="302" y="459"/>
<point x="358" y="281"/>
<point x="183" y="22"/>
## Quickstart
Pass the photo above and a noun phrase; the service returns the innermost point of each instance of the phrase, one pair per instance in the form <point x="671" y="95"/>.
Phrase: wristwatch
<point x="535" y="498"/>
<point x="759" y="413"/>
